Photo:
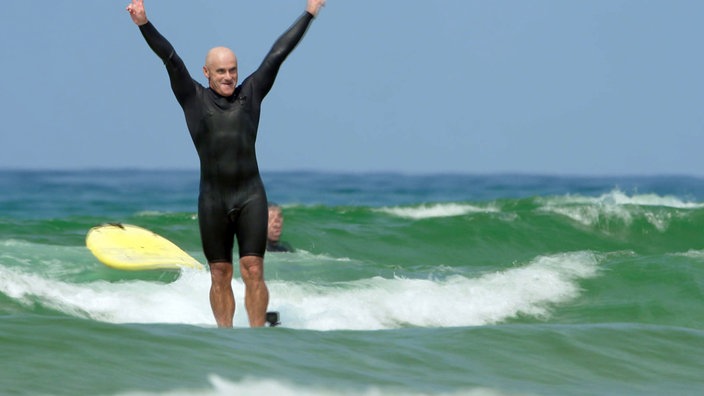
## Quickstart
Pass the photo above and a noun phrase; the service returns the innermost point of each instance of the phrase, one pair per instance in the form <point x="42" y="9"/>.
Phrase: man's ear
<point x="206" y="73"/>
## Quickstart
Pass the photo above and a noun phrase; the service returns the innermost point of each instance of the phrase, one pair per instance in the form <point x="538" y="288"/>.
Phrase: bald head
<point x="219" y="54"/>
<point x="221" y="70"/>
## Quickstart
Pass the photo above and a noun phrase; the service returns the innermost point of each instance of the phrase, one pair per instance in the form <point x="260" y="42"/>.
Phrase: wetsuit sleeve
<point x="181" y="81"/>
<point x="266" y="73"/>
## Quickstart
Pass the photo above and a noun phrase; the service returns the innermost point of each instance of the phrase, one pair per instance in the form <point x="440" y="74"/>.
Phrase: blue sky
<point x="558" y="87"/>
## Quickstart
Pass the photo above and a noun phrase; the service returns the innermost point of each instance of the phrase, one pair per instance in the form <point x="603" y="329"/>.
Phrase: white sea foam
<point x="252" y="386"/>
<point x="121" y="302"/>
<point x="366" y="304"/>
<point x="618" y="197"/>
<point x="616" y="205"/>
<point x="380" y="303"/>
<point x="438" y="210"/>
<point x="14" y="243"/>
<point x="692" y="253"/>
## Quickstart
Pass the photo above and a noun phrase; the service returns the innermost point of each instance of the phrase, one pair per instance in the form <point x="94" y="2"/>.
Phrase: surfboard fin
<point x="272" y="318"/>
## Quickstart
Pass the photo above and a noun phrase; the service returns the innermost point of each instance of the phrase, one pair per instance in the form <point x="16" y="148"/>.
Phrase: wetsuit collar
<point x="230" y="98"/>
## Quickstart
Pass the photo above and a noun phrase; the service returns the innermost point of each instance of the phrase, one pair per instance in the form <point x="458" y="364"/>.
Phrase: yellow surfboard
<point x="133" y="248"/>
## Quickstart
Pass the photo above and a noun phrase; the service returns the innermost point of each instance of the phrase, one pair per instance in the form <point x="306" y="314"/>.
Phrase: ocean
<point x="442" y="284"/>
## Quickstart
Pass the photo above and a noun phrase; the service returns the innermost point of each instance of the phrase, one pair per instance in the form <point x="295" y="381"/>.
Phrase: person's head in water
<point x="276" y="223"/>
<point x="221" y="70"/>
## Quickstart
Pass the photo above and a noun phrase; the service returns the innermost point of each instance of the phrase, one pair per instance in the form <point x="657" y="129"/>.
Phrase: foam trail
<point x="379" y="303"/>
<point x="437" y="210"/>
<point x="183" y="301"/>
<point x="366" y="304"/>
<point x="619" y="206"/>
<point x="253" y="386"/>
<point x="617" y="197"/>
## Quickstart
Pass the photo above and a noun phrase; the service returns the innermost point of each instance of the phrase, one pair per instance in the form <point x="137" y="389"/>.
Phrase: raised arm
<point x="314" y="6"/>
<point x="137" y="13"/>
<point x="181" y="81"/>
<point x="266" y="73"/>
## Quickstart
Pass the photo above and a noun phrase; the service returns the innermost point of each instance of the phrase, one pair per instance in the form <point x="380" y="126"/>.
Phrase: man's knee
<point x="252" y="268"/>
<point x="221" y="271"/>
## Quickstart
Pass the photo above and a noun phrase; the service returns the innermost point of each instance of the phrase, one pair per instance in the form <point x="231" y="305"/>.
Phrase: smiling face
<point x="221" y="70"/>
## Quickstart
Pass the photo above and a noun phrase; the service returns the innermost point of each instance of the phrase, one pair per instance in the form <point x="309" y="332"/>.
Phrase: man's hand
<point x="314" y="6"/>
<point x="136" y="10"/>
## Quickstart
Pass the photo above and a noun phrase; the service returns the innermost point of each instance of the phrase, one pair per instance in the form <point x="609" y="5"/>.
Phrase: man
<point x="222" y="120"/>
<point x="276" y="225"/>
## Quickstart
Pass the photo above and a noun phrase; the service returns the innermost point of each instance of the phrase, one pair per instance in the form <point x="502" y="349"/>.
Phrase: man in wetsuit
<point x="222" y="120"/>
<point x="276" y="226"/>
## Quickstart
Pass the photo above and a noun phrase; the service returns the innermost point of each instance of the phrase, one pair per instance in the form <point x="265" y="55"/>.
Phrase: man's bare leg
<point x="256" y="294"/>
<point x="222" y="300"/>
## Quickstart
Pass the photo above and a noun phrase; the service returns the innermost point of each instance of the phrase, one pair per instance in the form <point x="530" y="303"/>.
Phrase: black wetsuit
<point x="278" y="247"/>
<point x="232" y="199"/>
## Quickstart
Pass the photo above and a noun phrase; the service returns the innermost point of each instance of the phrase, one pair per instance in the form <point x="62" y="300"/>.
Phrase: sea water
<point x="399" y="285"/>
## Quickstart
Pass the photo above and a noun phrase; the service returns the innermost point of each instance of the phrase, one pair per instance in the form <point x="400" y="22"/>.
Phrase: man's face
<point x="276" y="223"/>
<point x="221" y="71"/>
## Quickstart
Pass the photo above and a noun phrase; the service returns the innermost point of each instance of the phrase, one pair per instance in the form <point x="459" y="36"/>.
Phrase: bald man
<point x="223" y="120"/>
